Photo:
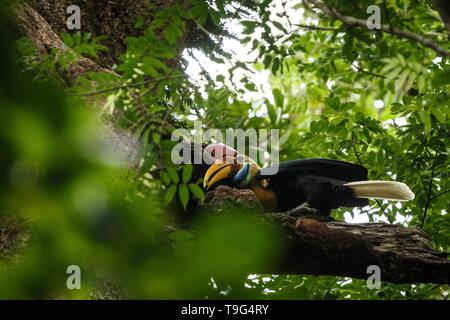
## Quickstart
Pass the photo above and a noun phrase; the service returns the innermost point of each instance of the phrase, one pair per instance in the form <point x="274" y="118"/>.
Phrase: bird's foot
<point x="302" y="210"/>
<point x="305" y="211"/>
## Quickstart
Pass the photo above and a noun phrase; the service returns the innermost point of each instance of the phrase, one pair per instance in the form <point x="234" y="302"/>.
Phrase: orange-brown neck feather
<point x="266" y="196"/>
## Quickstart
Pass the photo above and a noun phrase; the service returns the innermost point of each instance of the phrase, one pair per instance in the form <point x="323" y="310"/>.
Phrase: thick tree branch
<point x="352" y="21"/>
<point x="404" y="255"/>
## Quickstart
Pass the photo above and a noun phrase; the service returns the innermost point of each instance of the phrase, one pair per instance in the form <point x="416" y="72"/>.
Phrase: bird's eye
<point x="240" y="159"/>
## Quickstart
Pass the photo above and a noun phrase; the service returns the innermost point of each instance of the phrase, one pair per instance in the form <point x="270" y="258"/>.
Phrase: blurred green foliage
<point x="336" y="92"/>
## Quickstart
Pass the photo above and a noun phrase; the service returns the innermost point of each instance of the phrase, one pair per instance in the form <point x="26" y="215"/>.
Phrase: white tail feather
<point x="390" y="190"/>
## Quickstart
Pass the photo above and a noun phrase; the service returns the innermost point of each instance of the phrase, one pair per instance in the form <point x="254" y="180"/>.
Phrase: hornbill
<point x="305" y="185"/>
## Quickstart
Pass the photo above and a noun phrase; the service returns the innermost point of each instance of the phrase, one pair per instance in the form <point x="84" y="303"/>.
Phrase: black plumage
<point x="318" y="182"/>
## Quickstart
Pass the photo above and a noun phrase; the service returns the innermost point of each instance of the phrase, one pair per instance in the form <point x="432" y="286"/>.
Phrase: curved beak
<point x="218" y="171"/>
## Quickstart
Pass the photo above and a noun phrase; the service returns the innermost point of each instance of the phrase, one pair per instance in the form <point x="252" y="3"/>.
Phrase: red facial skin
<point x="218" y="151"/>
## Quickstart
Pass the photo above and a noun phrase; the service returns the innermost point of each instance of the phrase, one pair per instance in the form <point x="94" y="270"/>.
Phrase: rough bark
<point x="112" y="19"/>
<point x="44" y="38"/>
<point x="318" y="247"/>
<point x="14" y="236"/>
<point x="42" y="21"/>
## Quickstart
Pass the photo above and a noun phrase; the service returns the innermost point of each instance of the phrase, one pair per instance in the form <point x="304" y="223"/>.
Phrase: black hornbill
<point x="305" y="185"/>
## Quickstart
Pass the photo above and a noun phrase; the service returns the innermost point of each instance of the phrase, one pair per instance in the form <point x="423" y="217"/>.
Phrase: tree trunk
<point x="44" y="38"/>
<point x="42" y="21"/>
<point x="114" y="20"/>
<point x="318" y="247"/>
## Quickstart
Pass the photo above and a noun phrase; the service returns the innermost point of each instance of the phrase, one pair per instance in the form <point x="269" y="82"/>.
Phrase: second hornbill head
<point x="238" y="172"/>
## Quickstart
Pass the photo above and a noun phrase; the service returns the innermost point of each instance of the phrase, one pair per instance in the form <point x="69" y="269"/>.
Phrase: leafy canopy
<point x="336" y="91"/>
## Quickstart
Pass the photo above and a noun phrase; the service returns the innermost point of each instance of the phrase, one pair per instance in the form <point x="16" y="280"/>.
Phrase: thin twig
<point x="440" y="194"/>
<point x="433" y="288"/>
<point x="204" y="72"/>
<point x="368" y="72"/>
<point x="209" y="34"/>
<point x="304" y="26"/>
<point x="123" y="86"/>
<point x="430" y="187"/>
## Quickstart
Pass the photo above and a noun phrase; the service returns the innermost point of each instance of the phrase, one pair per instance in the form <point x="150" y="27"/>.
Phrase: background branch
<point x="352" y="21"/>
<point x="430" y="189"/>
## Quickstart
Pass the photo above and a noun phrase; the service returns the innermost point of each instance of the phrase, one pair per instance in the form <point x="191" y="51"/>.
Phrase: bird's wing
<point x="335" y="169"/>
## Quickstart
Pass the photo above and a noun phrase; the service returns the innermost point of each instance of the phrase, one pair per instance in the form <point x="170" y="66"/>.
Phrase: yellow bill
<point x="218" y="171"/>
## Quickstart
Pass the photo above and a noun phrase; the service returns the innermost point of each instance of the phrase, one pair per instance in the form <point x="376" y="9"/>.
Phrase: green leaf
<point x="441" y="78"/>
<point x="149" y="161"/>
<point x="187" y="172"/>
<point x="220" y="5"/>
<point x="180" y="235"/>
<point x="67" y="39"/>
<point x="425" y="115"/>
<point x="215" y="16"/>
<point x="170" y="35"/>
<point x="333" y="103"/>
<point x="347" y="106"/>
<point x="200" y="11"/>
<point x="183" y="195"/>
<point x="313" y="127"/>
<point x="390" y="64"/>
<point x="400" y="83"/>
<point x="421" y="83"/>
<point x="347" y="48"/>
<point x="154" y="63"/>
<point x="196" y="191"/>
<point x="170" y="193"/>
<point x="165" y="178"/>
<point x="249" y="24"/>
<point x="272" y="112"/>
<point x="438" y="113"/>
<point x="139" y="22"/>
<point x="411" y="78"/>
<point x="393" y="74"/>
<point x="278" y="97"/>
<point x="250" y="86"/>
<point x="275" y="65"/>
<point x="267" y="61"/>
<point x="156" y="138"/>
<point x="173" y="175"/>
<point x="279" y="26"/>
<point x="149" y="70"/>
